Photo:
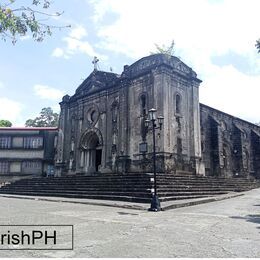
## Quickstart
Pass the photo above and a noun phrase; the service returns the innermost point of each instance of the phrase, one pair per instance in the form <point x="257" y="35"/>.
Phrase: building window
<point x="114" y="111"/>
<point x="143" y="112"/>
<point x="143" y="105"/>
<point x="5" y="142"/>
<point x="4" y="167"/>
<point x="32" y="165"/>
<point x="143" y="100"/>
<point x="33" y="142"/>
<point x="179" y="146"/>
<point x="178" y="104"/>
<point x="92" y="115"/>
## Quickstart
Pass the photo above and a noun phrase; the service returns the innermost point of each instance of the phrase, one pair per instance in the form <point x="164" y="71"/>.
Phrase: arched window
<point x="114" y="111"/>
<point x="179" y="146"/>
<point x="177" y="104"/>
<point x="143" y="101"/>
<point x="93" y="115"/>
<point x="143" y="114"/>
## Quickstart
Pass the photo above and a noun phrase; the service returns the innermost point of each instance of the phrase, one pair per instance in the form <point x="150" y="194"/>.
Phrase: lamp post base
<point x="155" y="204"/>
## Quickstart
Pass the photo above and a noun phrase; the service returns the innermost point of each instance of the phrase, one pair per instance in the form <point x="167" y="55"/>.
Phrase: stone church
<point x="103" y="129"/>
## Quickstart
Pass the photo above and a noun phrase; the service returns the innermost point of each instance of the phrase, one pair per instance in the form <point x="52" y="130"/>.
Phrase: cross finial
<point x="95" y="61"/>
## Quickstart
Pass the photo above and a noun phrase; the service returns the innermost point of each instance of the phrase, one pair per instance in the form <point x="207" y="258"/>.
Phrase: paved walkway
<point x="227" y="228"/>
<point x="130" y="205"/>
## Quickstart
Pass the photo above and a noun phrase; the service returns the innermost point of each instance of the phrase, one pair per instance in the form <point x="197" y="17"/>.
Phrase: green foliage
<point x="258" y="45"/>
<point x="47" y="118"/>
<point x="21" y="21"/>
<point x="167" y="50"/>
<point x="5" y="123"/>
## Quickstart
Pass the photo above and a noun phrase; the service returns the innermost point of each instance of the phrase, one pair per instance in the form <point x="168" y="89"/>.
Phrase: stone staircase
<point x="174" y="187"/>
<point x="129" y="187"/>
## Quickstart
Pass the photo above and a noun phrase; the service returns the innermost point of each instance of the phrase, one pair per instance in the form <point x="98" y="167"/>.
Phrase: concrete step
<point x="188" y="193"/>
<point x="95" y="188"/>
<point x="166" y="188"/>
<point x="202" y="180"/>
<point x="179" y="189"/>
<point x="73" y="177"/>
<point x="106" y="190"/>
<point x="85" y="196"/>
<point x="164" y="184"/>
<point x="115" y="193"/>
<point x="184" y="197"/>
<point x="86" y="183"/>
<point x="203" y="186"/>
<point x="82" y="185"/>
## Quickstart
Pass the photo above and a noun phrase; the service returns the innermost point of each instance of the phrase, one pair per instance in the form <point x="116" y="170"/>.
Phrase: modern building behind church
<point x="102" y="126"/>
<point x="26" y="152"/>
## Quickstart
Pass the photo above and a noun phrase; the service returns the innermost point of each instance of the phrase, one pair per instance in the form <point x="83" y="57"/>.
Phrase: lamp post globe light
<point x="155" y="203"/>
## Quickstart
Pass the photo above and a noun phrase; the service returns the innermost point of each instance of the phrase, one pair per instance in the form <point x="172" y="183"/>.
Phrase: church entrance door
<point x="98" y="158"/>
<point x="91" y="153"/>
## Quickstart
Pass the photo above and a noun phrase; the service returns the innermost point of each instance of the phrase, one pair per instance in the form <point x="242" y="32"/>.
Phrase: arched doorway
<point x="91" y="150"/>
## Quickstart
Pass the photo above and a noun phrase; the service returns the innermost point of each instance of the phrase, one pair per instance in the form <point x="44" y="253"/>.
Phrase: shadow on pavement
<point x="126" y="213"/>
<point x="250" y="218"/>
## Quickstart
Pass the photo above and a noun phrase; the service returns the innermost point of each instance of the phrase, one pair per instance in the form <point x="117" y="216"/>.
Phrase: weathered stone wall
<point x="230" y="146"/>
<point x="108" y="111"/>
<point x="86" y="116"/>
<point x="103" y="124"/>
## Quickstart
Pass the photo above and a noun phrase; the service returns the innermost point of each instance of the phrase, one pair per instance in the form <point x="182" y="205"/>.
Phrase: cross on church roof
<point x="95" y="61"/>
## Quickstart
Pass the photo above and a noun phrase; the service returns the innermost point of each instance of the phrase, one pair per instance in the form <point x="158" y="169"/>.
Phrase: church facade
<point x="102" y="126"/>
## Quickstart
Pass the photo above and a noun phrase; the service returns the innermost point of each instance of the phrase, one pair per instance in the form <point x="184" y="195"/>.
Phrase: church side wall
<point x="228" y="144"/>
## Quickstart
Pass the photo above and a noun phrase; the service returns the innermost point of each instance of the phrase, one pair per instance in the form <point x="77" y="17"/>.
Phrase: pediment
<point x="97" y="80"/>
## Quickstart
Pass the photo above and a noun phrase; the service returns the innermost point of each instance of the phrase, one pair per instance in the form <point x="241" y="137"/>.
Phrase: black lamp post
<point x="155" y="203"/>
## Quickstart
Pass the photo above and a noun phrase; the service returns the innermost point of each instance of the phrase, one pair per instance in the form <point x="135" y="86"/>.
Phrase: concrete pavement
<point x="173" y="204"/>
<point x="227" y="228"/>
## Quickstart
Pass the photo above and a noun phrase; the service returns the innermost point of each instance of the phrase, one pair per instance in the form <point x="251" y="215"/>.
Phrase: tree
<point x="20" y="20"/>
<point x="258" y="45"/>
<point x="5" y="123"/>
<point x="168" y="50"/>
<point x="47" y="118"/>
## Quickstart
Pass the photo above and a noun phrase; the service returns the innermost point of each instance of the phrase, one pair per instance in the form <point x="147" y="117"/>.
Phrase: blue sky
<point x="215" y="38"/>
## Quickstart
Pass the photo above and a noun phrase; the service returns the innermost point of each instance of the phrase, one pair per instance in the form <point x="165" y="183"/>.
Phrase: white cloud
<point x="77" y="46"/>
<point x="25" y="38"/>
<point x="10" y="110"/>
<point x="76" y="43"/>
<point x="100" y="9"/>
<point x="201" y="29"/>
<point x="233" y="92"/>
<point x="58" y="52"/>
<point x="78" y="32"/>
<point x="195" y="25"/>
<point x="1" y="85"/>
<point x="46" y="92"/>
